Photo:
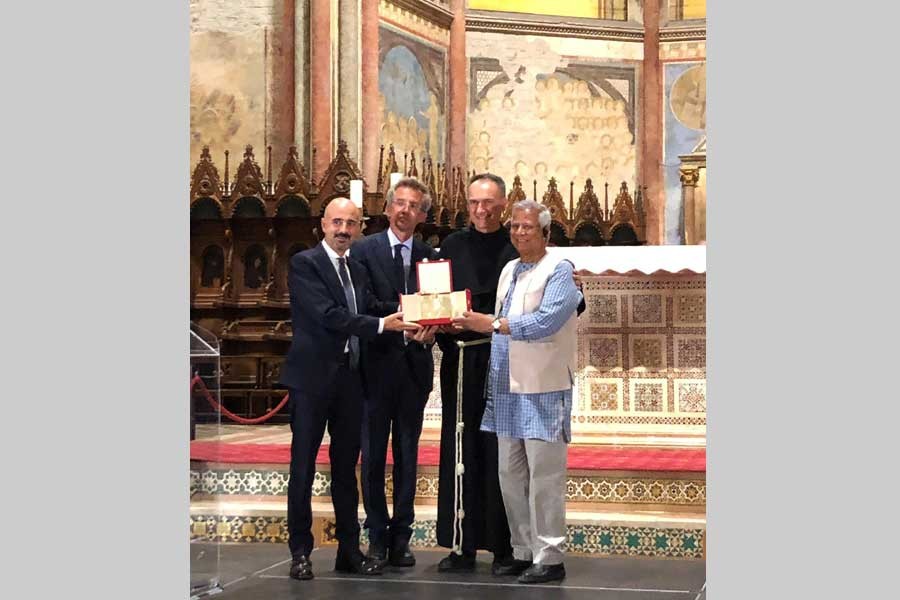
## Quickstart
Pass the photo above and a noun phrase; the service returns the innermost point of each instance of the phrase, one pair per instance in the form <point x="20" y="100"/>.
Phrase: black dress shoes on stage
<point x="378" y="554"/>
<point x="355" y="562"/>
<point x="457" y="563"/>
<point x="301" y="569"/>
<point x="402" y="556"/>
<point x="543" y="573"/>
<point x="509" y="566"/>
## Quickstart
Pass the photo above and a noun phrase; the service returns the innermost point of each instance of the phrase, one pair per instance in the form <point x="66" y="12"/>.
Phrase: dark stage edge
<point x="255" y="571"/>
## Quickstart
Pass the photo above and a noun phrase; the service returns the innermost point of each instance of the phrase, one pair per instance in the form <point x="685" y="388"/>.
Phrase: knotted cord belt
<point x="459" y="512"/>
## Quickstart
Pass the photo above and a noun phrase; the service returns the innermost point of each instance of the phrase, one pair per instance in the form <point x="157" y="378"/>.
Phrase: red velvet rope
<point x="230" y="414"/>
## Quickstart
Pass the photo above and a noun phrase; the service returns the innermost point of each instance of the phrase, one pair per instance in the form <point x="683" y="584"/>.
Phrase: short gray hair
<point x="542" y="211"/>
<point x="490" y="177"/>
<point x="413" y="184"/>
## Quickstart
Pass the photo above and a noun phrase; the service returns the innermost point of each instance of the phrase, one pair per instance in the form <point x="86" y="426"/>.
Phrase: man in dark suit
<point x="328" y="300"/>
<point x="400" y="371"/>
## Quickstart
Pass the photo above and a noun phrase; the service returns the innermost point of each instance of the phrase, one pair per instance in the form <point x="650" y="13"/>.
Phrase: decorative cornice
<point x="522" y="25"/>
<point x="682" y="34"/>
<point x="430" y="11"/>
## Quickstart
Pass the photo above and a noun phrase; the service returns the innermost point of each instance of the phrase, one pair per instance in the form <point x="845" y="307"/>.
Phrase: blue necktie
<point x="351" y="305"/>
<point x="398" y="263"/>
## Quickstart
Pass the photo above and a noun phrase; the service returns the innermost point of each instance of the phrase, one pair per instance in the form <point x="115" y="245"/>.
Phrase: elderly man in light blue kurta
<point x="529" y="403"/>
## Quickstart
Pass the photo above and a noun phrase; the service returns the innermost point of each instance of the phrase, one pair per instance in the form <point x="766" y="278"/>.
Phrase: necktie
<point x="351" y="305"/>
<point x="401" y="270"/>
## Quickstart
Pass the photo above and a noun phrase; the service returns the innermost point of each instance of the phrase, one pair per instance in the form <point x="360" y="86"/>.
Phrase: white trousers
<point x="533" y="482"/>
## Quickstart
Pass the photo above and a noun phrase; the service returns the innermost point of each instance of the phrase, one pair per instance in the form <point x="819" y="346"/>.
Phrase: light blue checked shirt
<point x="543" y="416"/>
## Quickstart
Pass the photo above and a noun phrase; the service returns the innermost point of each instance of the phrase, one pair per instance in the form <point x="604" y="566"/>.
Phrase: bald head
<point x="341" y="224"/>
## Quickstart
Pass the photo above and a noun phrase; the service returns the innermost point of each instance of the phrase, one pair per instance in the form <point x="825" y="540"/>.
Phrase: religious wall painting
<point x="538" y="114"/>
<point x="227" y="91"/>
<point x="412" y="94"/>
<point x="685" y="131"/>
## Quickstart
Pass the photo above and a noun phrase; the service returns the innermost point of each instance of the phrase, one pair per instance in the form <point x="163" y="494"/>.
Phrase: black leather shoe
<point x="377" y="554"/>
<point x="355" y="562"/>
<point x="509" y="566"/>
<point x="402" y="556"/>
<point x="543" y="573"/>
<point x="301" y="569"/>
<point x="457" y="563"/>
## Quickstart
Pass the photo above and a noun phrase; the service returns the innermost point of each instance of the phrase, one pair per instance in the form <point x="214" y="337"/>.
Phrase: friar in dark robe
<point x="478" y="254"/>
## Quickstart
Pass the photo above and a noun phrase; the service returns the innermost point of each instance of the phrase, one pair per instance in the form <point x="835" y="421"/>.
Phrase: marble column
<point x="320" y="80"/>
<point x="689" y="178"/>
<point x="282" y="90"/>
<point x="458" y="86"/>
<point x="349" y="114"/>
<point x="652" y="131"/>
<point x="371" y="119"/>
<point x="302" y="133"/>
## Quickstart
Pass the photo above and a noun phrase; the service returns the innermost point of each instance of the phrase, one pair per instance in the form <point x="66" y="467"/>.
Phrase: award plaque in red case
<point x="435" y="303"/>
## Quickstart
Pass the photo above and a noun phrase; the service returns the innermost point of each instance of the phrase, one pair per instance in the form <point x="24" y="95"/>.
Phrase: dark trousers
<point x="485" y="525"/>
<point x="341" y="410"/>
<point x="395" y="408"/>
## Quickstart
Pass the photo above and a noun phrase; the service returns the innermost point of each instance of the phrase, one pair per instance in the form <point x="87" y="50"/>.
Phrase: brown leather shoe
<point x="301" y="569"/>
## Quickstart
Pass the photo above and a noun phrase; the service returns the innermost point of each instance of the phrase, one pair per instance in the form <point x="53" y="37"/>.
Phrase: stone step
<point x="673" y="532"/>
<point x="584" y="487"/>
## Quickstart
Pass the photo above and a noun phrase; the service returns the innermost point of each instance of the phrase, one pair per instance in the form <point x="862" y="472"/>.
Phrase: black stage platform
<point x="257" y="571"/>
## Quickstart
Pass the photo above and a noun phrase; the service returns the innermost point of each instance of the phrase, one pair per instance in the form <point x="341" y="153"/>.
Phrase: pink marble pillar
<point x="281" y="124"/>
<point x="371" y="118"/>
<point x="320" y="84"/>
<point x="458" y="87"/>
<point x="652" y="130"/>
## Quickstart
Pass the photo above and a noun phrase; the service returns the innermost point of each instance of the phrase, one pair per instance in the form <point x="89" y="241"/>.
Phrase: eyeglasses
<point x="350" y="223"/>
<point x="404" y="204"/>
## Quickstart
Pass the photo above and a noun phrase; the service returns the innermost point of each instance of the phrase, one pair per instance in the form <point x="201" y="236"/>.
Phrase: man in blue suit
<point x="329" y="300"/>
<point x="400" y="371"/>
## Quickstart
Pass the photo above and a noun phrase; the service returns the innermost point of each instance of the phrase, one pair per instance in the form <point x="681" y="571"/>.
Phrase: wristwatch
<point x="496" y="325"/>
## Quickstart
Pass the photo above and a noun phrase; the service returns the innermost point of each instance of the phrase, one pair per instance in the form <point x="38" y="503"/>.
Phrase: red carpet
<point x="601" y="458"/>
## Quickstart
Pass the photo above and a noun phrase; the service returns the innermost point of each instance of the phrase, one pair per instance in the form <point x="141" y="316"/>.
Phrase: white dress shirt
<point x="334" y="256"/>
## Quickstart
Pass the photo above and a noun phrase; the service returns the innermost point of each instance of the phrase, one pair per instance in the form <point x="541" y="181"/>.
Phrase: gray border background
<point x="95" y="300"/>
<point x="801" y="276"/>
<point x="802" y="317"/>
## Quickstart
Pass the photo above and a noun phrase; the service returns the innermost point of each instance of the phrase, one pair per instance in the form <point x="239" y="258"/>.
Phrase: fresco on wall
<point x="685" y="125"/>
<point x="412" y="94"/>
<point x="227" y="92"/>
<point x="537" y="113"/>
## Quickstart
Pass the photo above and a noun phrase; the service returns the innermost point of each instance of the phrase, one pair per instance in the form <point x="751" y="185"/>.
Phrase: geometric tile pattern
<point x="648" y="396"/>
<point x="691" y="395"/>
<point x="682" y="492"/>
<point x="690" y="351"/>
<point x="595" y="540"/>
<point x="255" y="482"/>
<point x="690" y="309"/>
<point x="647" y="310"/>
<point x="604" y="309"/>
<point x="659" y="328"/>
<point x="579" y="488"/>
<point x="605" y="396"/>
<point x="648" y="352"/>
<point x="605" y="351"/>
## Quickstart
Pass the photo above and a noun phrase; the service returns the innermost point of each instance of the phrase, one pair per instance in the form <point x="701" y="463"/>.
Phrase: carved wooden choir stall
<point x="243" y="233"/>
